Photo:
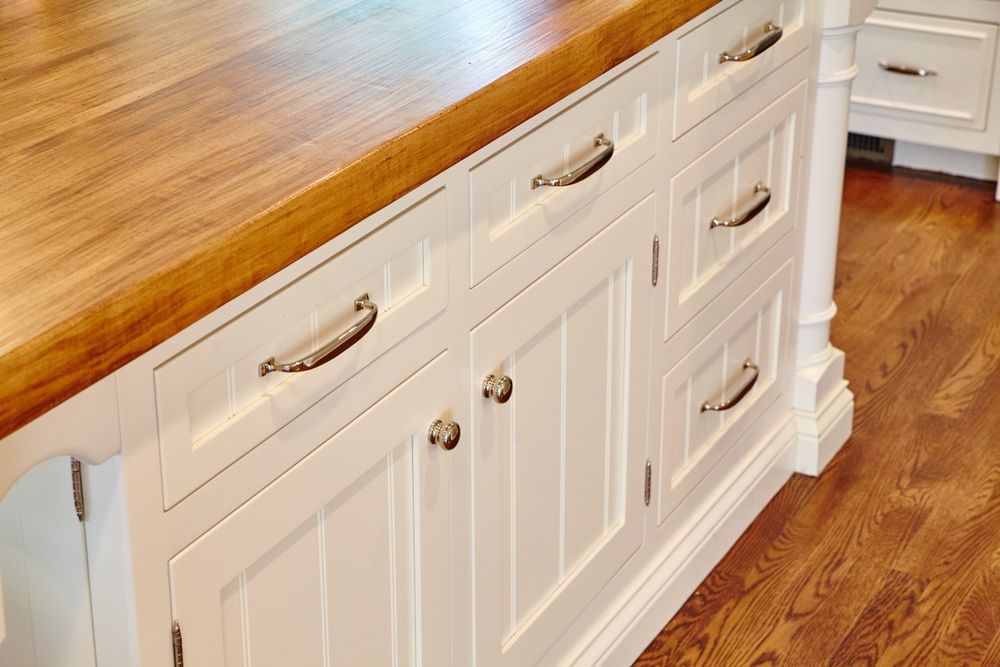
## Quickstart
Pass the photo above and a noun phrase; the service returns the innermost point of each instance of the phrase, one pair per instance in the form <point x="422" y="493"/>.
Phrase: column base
<point x="821" y="434"/>
<point x="823" y="409"/>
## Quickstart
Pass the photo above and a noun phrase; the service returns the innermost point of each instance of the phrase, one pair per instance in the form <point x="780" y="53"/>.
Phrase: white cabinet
<point x="305" y="518"/>
<point x="559" y="466"/>
<point x="928" y="78"/>
<point x="344" y="559"/>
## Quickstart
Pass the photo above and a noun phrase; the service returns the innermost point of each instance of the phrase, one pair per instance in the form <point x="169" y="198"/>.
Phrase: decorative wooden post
<point x="824" y="405"/>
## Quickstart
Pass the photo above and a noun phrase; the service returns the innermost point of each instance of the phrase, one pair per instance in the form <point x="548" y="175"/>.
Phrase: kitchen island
<point x="410" y="197"/>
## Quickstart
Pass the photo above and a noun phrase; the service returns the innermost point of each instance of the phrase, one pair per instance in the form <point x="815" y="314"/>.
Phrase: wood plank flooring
<point x="892" y="556"/>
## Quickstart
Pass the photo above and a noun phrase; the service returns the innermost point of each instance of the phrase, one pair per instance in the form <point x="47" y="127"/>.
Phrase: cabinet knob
<point x="446" y="436"/>
<point x="498" y="388"/>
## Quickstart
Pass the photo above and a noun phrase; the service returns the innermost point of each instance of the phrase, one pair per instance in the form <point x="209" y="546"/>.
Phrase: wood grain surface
<point x="160" y="158"/>
<point x="892" y="556"/>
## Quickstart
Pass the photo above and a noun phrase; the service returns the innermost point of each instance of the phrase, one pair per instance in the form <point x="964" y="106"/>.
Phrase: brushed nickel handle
<point x="498" y="388"/>
<point x="335" y="347"/>
<point x="905" y="70"/>
<point x="582" y="172"/>
<point x="725" y="401"/>
<point x="772" y="34"/>
<point x="762" y="197"/>
<point x="445" y="436"/>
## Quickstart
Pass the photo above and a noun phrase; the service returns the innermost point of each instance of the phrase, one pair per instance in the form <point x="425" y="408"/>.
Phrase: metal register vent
<point x="872" y="149"/>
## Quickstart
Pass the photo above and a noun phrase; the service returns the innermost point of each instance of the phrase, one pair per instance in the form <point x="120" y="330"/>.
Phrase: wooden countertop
<point x="160" y="158"/>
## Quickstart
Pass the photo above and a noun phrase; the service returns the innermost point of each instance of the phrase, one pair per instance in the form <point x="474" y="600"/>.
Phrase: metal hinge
<point x="175" y="634"/>
<point x="656" y="260"/>
<point x="77" y="476"/>
<point x="649" y="482"/>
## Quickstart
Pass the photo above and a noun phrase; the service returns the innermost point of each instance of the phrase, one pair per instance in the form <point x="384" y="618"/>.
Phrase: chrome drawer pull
<point x="772" y="34"/>
<point x="762" y="199"/>
<point x="582" y="172"/>
<point x="905" y="70"/>
<point x="722" y="403"/>
<point x="338" y="345"/>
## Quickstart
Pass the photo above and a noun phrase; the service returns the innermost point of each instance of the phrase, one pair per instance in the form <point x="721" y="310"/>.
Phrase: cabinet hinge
<point x="649" y="482"/>
<point x="77" y="476"/>
<point x="656" y="259"/>
<point x="175" y="635"/>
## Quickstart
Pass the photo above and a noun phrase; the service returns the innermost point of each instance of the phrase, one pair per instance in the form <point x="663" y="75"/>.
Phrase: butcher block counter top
<point x="160" y="158"/>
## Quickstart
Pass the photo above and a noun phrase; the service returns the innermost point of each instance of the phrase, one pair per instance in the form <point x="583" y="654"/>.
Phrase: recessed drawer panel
<point x="528" y="188"/>
<point x="731" y="52"/>
<point x="721" y="387"/>
<point x="731" y="205"/>
<point x="926" y="68"/>
<point x="213" y="404"/>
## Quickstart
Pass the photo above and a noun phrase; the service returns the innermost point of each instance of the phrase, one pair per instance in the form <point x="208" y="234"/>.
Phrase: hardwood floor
<point x="892" y="556"/>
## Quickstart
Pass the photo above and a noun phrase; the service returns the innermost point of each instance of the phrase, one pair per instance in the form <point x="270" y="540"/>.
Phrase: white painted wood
<point x="342" y="560"/>
<point x="112" y="599"/>
<point x="574" y="344"/>
<point x="979" y="166"/>
<point x="703" y="260"/>
<point x="530" y="543"/>
<point x="44" y="567"/>
<point x="212" y="405"/>
<point x="703" y="84"/>
<point x="819" y="366"/>
<point x="715" y="521"/>
<point x="961" y="53"/>
<point x="691" y="442"/>
<point x="956" y="112"/>
<point x="508" y="215"/>
<point x="84" y="426"/>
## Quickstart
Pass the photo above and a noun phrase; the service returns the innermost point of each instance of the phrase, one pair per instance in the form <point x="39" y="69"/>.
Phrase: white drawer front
<point x="343" y="560"/>
<point x="756" y="164"/>
<point x="957" y="58"/>
<point x="508" y="214"/>
<point x="212" y="404"/>
<point x="692" y="440"/>
<point x="704" y="84"/>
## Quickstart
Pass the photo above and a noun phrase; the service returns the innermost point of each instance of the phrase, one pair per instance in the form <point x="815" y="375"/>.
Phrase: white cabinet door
<point x="45" y="598"/>
<point x="343" y="560"/>
<point x="558" y="469"/>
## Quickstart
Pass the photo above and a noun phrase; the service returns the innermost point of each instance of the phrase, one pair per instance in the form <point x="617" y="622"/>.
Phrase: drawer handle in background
<point x="721" y="403"/>
<point x="772" y="34"/>
<point x="582" y="172"/>
<point x="335" y="347"/>
<point x="762" y="197"/>
<point x="905" y="70"/>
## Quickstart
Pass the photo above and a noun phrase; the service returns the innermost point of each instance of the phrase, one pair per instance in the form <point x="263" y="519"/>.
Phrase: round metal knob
<point x="498" y="388"/>
<point x="446" y="436"/>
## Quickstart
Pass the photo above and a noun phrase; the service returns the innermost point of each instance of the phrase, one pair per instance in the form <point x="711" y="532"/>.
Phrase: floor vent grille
<point x="872" y="149"/>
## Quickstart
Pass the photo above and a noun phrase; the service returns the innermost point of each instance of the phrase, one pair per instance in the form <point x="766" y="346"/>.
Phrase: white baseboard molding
<point x="679" y="568"/>
<point x="821" y="434"/>
<point x="946" y="160"/>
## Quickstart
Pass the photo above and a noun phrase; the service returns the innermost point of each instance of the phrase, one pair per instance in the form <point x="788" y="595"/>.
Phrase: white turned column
<point x="824" y="407"/>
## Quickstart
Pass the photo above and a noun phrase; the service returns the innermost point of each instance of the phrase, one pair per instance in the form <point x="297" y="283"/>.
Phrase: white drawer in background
<point x="756" y="165"/>
<point x="956" y="57"/>
<point x="212" y="404"/>
<point x="508" y="214"/>
<point x="691" y="440"/>
<point x="704" y="84"/>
